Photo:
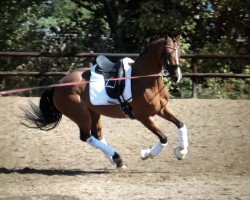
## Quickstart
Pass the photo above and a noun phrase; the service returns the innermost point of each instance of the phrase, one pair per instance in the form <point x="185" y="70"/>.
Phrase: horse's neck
<point x="150" y="61"/>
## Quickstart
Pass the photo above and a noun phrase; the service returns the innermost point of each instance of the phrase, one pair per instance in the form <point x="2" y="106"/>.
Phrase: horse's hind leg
<point x="101" y="144"/>
<point x="182" y="150"/>
<point x="72" y="107"/>
<point x="96" y="131"/>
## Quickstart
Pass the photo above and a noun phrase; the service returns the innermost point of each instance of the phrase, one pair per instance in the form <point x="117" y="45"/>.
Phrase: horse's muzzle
<point x="176" y="75"/>
<point x="174" y="72"/>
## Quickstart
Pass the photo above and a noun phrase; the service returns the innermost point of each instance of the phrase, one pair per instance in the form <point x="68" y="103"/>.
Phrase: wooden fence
<point x="194" y="58"/>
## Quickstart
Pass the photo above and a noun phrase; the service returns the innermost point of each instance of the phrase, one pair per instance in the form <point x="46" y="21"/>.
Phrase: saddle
<point x="114" y="88"/>
<point x="110" y="70"/>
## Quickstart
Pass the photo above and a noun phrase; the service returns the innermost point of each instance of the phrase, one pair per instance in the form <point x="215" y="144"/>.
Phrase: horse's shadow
<point x="52" y="172"/>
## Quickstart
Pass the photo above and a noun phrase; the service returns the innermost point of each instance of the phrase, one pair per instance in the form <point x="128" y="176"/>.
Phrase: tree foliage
<point x="206" y="26"/>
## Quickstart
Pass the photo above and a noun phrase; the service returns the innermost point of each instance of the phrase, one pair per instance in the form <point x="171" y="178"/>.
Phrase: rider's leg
<point x="159" y="147"/>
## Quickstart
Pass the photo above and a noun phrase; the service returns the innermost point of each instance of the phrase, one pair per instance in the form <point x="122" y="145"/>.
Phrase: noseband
<point x="168" y="68"/>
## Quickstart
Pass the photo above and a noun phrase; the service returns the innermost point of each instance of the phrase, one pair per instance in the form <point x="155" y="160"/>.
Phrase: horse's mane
<point x="147" y="47"/>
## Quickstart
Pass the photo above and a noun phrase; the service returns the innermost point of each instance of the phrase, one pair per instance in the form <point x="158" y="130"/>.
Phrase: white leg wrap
<point x="181" y="151"/>
<point x="183" y="137"/>
<point x="105" y="148"/>
<point x="158" y="148"/>
<point x="154" y="151"/>
<point x="103" y="140"/>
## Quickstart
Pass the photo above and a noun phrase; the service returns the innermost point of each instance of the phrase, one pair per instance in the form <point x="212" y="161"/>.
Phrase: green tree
<point x="207" y="26"/>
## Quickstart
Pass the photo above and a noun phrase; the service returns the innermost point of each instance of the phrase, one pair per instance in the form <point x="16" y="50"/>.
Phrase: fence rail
<point x="204" y="75"/>
<point x="194" y="57"/>
<point x="93" y="54"/>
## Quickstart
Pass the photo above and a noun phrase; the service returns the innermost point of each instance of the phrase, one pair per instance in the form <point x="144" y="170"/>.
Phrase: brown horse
<point x="150" y="97"/>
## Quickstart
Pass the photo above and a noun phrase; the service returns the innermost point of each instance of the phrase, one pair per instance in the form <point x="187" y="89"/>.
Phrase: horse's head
<point x="171" y="55"/>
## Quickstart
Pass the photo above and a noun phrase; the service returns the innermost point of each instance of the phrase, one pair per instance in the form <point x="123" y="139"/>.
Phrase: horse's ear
<point x="177" y="38"/>
<point x="166" y="35"/>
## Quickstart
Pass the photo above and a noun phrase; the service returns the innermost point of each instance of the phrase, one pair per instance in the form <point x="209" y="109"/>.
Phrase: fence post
<point x="194" y="79"/>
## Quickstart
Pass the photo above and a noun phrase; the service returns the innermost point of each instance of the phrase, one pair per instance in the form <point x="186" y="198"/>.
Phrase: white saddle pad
<point x="97" y="91"/>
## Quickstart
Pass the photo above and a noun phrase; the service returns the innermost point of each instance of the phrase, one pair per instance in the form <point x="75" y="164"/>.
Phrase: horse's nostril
<point x="176" y="79"/>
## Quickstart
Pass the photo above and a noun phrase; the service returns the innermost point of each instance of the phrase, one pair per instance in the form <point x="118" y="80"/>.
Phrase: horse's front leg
<point x="182" y="150"/>
<point x="159" y="147"/>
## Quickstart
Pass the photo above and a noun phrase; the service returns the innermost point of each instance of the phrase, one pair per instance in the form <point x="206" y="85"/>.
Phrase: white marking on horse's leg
<point x="153" y="152"/>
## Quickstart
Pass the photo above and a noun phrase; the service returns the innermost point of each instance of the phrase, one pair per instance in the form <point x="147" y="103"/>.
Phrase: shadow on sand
<point x="51" y="172"/>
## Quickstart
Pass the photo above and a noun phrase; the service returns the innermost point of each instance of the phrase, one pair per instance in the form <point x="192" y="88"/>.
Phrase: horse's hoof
<point x="145" y="154"/>
<point x="120" y="164"/>
<point x="118" y="161"/>
<point x="180" y="153"/>
<point x="122" y="167"/>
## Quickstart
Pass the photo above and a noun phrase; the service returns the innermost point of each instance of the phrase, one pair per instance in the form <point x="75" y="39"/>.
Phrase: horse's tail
<point x="46" y="116"/>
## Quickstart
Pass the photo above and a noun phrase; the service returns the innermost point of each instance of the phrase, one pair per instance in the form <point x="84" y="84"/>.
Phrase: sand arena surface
<point x="37" y="165"/>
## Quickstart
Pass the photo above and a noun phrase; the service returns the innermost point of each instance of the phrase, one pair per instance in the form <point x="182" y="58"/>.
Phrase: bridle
<point x="168" y="68"/>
